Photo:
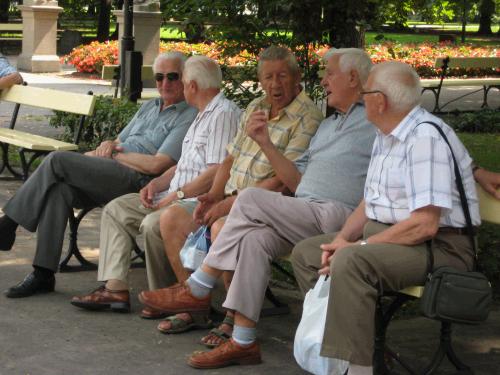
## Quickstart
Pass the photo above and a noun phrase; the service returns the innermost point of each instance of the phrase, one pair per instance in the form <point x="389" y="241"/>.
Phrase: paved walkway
<point x="45" y="335"/>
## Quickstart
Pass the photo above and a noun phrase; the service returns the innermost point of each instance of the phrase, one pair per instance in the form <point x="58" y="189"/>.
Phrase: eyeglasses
<point x="171" y="77"/>
<point x="372" y="92"/>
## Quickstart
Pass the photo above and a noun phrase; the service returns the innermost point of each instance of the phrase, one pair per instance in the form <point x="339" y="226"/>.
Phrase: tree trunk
<point x="486" y="11"/>
<point x="4" y="11"/>
<point x="104" y="20"/>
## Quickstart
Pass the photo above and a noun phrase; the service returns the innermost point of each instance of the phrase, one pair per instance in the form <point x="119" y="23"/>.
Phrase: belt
<point x="460" y="231"/>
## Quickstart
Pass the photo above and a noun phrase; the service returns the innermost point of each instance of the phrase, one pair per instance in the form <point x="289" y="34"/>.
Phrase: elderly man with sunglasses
<point x="149" y="145"/>
<point x="203" y="150"/>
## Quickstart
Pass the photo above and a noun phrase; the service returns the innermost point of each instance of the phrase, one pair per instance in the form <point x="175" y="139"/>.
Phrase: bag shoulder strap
<point x="461" y="191"/>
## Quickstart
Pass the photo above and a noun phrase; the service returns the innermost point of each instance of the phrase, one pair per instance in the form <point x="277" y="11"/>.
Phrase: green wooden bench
<point x="33" y="144"/>
<point x="485" y="84"/>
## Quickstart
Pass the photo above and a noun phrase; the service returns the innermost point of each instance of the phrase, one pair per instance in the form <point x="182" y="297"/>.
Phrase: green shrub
<point x="111" y="115"/>
<point x="484" y="121"/>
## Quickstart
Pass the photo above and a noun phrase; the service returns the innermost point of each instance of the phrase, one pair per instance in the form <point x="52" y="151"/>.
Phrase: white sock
<point x="360" y="370"/>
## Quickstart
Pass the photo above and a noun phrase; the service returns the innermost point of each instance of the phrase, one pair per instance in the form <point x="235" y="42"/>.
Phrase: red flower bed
<point x="92" y="57"/>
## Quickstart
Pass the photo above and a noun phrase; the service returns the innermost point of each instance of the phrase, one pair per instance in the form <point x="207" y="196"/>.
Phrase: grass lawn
<point x="484" y="149"/>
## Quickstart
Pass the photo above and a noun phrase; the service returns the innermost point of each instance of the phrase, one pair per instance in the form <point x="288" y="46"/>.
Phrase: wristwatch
<point x="363" y="243"/>
<point x="180" y="193"/>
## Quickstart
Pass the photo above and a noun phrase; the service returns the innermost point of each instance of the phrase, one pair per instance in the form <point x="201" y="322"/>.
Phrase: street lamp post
<point x="127" y="42"/>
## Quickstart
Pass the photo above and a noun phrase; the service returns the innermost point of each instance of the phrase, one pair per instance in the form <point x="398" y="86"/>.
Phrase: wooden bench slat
<point x="51" y="99"/>
<point x="489" y="207"/>
<point x="108" y="71"/>
<point x="469" y="62"/>
<point x="34" y="142"/>
<point x="461" y="82"/>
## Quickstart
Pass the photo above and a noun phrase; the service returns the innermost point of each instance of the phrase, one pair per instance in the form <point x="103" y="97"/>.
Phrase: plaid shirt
<point x="5" y="67"/>
<point x="412" y="168"/>
<point x="291" y="131"/>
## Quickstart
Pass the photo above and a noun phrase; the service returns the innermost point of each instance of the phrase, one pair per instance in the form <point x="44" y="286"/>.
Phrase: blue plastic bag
<point x="195" y="248"/>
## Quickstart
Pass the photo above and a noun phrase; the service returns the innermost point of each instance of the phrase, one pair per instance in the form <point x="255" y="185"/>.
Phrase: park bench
<point x="112" y="73"/>
<point x="485" y="83"/>
<point x="9" y="28"/>
<point x="36" y="145"/>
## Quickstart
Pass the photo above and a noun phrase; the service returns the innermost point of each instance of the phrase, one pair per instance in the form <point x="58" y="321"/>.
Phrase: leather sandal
<point x="178" y="325"/>
<point x="219" y="334"/>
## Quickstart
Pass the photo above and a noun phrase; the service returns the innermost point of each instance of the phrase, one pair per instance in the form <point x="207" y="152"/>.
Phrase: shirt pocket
<point x="395" y="185"/>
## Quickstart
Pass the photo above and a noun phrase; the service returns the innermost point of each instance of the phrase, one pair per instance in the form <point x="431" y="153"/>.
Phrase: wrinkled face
<point x="189" y="92"/>
<point x="279" y="84"/>
<point x="171" y="91"/>
<point x="337" y="85"/>
<point x="374" y="101"/>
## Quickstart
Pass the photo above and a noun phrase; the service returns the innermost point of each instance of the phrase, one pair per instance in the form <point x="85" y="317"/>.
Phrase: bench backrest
<point x="489" y="207"/>
<point x="109" y="71"/>
<point x="52" y="99"/>
<point x="469" y="62"/>
<point x="11" y="27"/>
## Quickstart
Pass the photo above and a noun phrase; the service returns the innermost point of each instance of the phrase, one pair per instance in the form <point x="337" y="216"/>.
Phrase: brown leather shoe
<point x="103" y="298"/>
<point x="228" y="353"/>
<point x="174" y="300"/>
<point x="150" y="313"/>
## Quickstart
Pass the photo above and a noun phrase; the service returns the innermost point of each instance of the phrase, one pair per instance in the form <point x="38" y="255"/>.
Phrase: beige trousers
<point x="358" y="275"/>
<point x="263" y="226"/>
<point x="123" y="219"/>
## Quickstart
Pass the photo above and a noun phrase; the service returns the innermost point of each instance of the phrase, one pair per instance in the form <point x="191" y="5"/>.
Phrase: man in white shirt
<point x="203" y="150"/>
<point x="410" y="197"/>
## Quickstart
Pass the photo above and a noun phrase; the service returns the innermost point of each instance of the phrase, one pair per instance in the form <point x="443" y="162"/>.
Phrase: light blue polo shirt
<point x="151" y="131"/>
<point x="5" y="67"/>
<point x="335" y="164"/>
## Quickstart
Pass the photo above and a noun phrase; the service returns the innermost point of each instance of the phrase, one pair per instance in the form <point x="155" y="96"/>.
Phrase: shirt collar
<point x="293" y="110"/>
<point x="401" y="131"/>
<point x="179" y="107"/>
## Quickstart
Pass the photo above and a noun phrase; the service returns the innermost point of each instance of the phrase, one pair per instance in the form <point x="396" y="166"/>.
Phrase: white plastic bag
<point x="309" y="335"/>
<point x="195" y="248"/>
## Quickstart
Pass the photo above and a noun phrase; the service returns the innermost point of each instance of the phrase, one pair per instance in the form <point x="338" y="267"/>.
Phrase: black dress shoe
<point x="31" y="285"/>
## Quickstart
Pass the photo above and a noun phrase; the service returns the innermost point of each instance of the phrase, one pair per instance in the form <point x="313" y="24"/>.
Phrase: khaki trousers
<point x="262" y="226"/>
<point x="359" y="273"/>
<point x="123" y="219"/>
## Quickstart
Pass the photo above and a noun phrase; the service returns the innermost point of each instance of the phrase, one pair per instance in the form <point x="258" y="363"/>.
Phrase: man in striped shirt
<point x="410" y="197"/>
<point x="203" y="150"/>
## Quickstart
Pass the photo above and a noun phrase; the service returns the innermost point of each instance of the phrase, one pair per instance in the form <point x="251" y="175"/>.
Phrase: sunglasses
<point x="171" y="77"/>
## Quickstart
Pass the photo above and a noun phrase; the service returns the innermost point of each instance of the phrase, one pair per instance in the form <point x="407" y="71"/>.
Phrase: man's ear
<point x="354" y="79"/>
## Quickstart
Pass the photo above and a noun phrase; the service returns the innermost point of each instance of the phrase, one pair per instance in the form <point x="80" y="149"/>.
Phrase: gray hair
<point x="399" y="82"/>
<point x="351" y="58"/>
<point x="274" y="53"/>
<point x="204" y="71"/>
<point x="172" y="55"/>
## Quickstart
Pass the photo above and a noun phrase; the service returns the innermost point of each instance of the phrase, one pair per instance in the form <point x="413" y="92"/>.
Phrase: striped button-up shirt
<point x="206" y="141"/>
<point x="290" y="131"/>
<point x="412" y="167"/>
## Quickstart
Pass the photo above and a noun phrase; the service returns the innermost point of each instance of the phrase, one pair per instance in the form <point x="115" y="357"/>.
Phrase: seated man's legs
<point x="359" y="272"/>
<point x="120" y="223"/>
<point x="261" y="226"/>
<point x="306" y="260"/>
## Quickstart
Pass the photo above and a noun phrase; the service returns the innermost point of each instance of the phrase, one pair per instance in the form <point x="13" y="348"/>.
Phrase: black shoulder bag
<point x="453" y="295"/>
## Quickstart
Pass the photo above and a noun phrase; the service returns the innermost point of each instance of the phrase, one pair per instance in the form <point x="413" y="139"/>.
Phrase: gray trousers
<point x="63" y="181"/>
<point x="359" y="273"/>
<point x="261" y="227"/>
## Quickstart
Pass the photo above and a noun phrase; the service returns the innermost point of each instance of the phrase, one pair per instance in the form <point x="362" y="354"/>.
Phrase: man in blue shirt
<point x="149" y="144"/>
<point x="8" y="74"/>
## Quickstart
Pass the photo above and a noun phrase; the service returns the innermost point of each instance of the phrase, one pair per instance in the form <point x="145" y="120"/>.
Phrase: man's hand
<point x="105" y="149"/>
<point x="147" y="193"/>
<point x="329" y="251"/>
<point x="205" y="203"/>
<point x="489" y="181"/>
<point x="256" y="128"/>
<point x="217" y="211"/>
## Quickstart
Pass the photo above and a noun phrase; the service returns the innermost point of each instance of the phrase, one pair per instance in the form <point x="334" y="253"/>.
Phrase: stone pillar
<point x="147" y="23"/>
<point x="39" y="37"/>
